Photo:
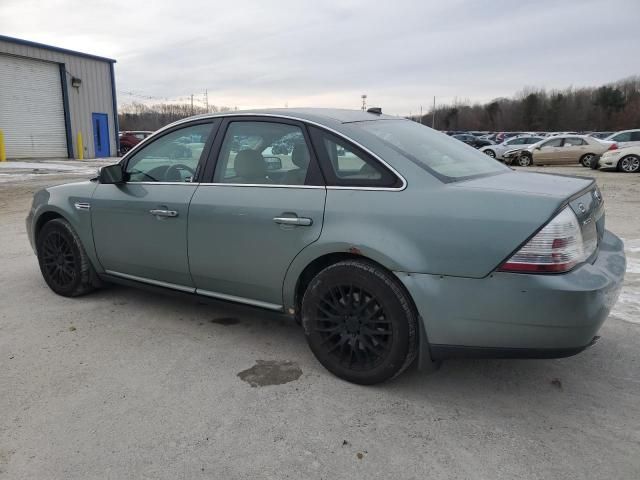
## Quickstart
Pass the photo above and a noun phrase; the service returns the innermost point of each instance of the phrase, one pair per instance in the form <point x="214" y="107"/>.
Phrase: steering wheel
<point x="173" y="173"/>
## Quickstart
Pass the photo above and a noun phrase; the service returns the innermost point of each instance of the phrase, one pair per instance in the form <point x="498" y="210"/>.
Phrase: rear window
<point x="447" y="158"/>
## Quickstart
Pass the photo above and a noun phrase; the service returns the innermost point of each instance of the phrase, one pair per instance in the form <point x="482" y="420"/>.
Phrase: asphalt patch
<point x="271" y="372"/>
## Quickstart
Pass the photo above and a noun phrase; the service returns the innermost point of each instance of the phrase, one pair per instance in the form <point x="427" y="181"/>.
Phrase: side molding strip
<point x="159" y="283"/>
<point x="233" y="298"/>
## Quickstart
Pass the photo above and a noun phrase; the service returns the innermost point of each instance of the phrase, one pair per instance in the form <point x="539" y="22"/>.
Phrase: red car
<point x="130" y="139"/>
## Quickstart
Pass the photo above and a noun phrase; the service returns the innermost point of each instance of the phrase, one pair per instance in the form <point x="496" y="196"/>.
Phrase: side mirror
<point x="111" y="174"/>
<point x="539" y="147"/>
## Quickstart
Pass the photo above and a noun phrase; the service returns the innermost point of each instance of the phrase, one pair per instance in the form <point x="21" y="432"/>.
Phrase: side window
<point x="635" y="136"/>
<point x="174" y="157"/>
<point x="556" y="142"/>
<point x="623" y="137"/>
<point x="263" y="153"/>
<point x="532" y="140"/>
<point x="345" y="165"/>
<point x="572" y="142"/>
<point x="516" y="141"/>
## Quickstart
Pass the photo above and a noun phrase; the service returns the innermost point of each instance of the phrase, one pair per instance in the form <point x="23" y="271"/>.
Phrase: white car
<point x="625" y="160"/>
<point x="625" y="138"/>
<point x="497" y="151"/>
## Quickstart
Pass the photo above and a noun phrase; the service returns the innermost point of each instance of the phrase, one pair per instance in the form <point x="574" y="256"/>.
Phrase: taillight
<point x="557" y="248"/>
<point x="614" y="146"/>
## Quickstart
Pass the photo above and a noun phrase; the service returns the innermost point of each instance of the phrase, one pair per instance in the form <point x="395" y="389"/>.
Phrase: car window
<point x="516" y="141"/>
<point x="622" y="137"/>
<point x="572" y="142"/>
<point x="532" y="140"/>
<point x="556" y="142"/>
<point x="635" y="136"/>
<point x="263" y="153"/>
<point x="445" y="158"/>
<point x="174" y="157"/>
<point x="346" y="165"/>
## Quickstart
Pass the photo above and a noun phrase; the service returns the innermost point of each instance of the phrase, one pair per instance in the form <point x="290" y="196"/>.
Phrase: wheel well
<point x="320" y="264"/>
<point x="42" y="219"/>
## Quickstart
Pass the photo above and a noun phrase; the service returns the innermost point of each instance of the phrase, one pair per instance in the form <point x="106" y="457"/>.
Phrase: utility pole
<point x="364" y="102"/>
<point x="420" y="114"/>
<point x="433" y="117"/>
<point x="206" y="100"/>
<point x="192" y="104"/>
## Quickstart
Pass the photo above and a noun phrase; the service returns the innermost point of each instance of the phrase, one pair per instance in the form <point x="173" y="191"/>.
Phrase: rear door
<point x="572" y="149"/>
<point x="263" y="204"/>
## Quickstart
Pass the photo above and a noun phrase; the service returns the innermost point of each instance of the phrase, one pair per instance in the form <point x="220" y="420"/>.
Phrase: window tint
<point x="532" y="140"/>
<point x="346" y="165"/>
<point x="623" y="137"/>
<point x="263" y="153"/>
<point x="635" y="136"/>
<point x="516" y="141"/>
<point x="174" y="157"/>
<point x="572" y="142"/>
<point x="556" y="142"/>
<point x="446" y="158"/>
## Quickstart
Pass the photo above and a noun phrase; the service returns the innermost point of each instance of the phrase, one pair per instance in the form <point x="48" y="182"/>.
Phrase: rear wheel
<point x="525" y="160"/>
<point x="491" y="153"/>
<point x="63" y="262"/>
<point x="359" y="322"/>
<point x="629" y="164"/>
<point x="586" y="160"/>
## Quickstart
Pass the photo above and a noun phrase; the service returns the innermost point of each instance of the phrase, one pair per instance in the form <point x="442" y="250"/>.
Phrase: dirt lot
<point x="129" y="384"/>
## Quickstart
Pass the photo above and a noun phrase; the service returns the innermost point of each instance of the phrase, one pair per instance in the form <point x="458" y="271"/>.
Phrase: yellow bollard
<point x="79" y="146"/>
<point x="3" y="152"/>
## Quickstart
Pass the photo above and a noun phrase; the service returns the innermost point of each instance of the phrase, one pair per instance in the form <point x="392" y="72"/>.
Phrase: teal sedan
<point x="390" y="243"/>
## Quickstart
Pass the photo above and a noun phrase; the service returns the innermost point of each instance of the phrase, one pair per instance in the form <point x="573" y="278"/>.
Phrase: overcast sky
<point x="259" y="53"/>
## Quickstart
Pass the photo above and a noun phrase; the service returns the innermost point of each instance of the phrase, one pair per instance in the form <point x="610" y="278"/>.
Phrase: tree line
<point x="610" y="107"/>
<point x="138" y="116"/>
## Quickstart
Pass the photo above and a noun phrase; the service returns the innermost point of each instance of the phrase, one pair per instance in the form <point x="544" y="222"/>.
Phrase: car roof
<point x="311" y="114"/>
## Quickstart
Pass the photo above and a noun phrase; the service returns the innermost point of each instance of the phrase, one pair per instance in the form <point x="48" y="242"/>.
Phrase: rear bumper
<point x="519" y="315"/>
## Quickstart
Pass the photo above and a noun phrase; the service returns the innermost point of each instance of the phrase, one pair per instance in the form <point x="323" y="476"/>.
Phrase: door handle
<point x="300" y="221"/>
<point x="163" y="213"/>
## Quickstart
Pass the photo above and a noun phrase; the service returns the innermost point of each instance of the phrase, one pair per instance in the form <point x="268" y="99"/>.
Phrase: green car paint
<point x="443" y="240"/>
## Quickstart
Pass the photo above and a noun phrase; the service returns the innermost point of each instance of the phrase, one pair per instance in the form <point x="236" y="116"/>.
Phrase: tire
<point x="586" y="160"/>
<point x="490" y="152"/>
<point x="63" y="262"/>
<point x="359" y="322"/>
<point x="524" y="160"/>
<point x="629" y="164"/>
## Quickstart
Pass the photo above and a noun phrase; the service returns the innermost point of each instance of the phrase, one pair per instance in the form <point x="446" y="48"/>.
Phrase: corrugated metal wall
<point x="93" y="96"/>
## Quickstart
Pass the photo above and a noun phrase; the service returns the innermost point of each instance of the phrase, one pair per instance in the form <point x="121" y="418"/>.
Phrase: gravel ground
<point x="125" y="383"/>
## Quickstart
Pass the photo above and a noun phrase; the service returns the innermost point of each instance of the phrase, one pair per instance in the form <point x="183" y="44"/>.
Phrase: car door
<point x="140" y="225"/>
<point x="572" y="149"/>
<point x="549" y="152"/>
<point x="255" y="215"/>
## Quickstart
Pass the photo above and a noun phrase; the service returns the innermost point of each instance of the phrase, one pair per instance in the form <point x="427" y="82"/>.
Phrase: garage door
<point x="31" y="108"/>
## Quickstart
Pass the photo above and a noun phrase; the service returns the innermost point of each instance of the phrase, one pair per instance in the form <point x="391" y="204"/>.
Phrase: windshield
<point x="447" y="158"/>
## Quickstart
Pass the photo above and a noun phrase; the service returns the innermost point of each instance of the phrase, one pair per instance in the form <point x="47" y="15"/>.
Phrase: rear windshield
<point x="447" y="158"/>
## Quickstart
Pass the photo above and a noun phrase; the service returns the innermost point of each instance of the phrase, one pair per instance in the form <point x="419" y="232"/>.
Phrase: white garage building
<point x="54" y="102"/>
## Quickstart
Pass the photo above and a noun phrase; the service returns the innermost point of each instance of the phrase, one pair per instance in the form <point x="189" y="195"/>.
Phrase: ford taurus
<point x="388" y="241"/>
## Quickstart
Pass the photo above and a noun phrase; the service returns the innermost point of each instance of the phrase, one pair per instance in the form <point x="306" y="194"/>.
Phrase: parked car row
<point x="131" y="138"/>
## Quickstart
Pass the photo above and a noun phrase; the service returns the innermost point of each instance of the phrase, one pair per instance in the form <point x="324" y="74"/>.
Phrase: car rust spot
<point x="271" y="372"/>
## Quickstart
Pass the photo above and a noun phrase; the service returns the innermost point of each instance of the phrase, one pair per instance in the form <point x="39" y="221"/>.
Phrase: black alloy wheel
<point x="63" y="262"/>
<point x="359" y="322"/>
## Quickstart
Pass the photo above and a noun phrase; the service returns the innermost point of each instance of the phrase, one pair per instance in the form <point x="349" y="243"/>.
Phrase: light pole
<point x="364" y="102"/>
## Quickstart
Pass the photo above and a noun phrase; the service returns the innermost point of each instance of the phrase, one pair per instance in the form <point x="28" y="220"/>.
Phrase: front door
<point x="549" y="152"/>
<point x="140" y="226"/>
<point x="101" y="134"/>
<point x="265" y="204"/>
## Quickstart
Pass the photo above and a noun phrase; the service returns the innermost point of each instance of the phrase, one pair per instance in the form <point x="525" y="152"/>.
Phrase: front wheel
<point x="359" y="322"/>
<point x="490" y="152"/>
<point x="525" y="160"/>
<point x="629" y="164"/>
<point x="63" y="262"/>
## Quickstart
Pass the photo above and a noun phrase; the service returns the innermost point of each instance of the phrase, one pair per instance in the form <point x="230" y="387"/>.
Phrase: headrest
<point x="250" y="164"/>
<point x="300" y="155"/>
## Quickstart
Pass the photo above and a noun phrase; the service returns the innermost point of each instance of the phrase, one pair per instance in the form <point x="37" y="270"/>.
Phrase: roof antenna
<point x="376" y="110"/>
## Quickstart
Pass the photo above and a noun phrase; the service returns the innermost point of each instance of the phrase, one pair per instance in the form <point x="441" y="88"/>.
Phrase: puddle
<point x="271" y="372"/>
<point x="225" y="321"/>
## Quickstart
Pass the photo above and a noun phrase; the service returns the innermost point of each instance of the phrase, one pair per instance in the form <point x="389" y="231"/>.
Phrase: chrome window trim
<point x="159" y="283"/>
<point x="265" y="185"/>
<point x="233" y="298"/>
<point x="305" y="121"/>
